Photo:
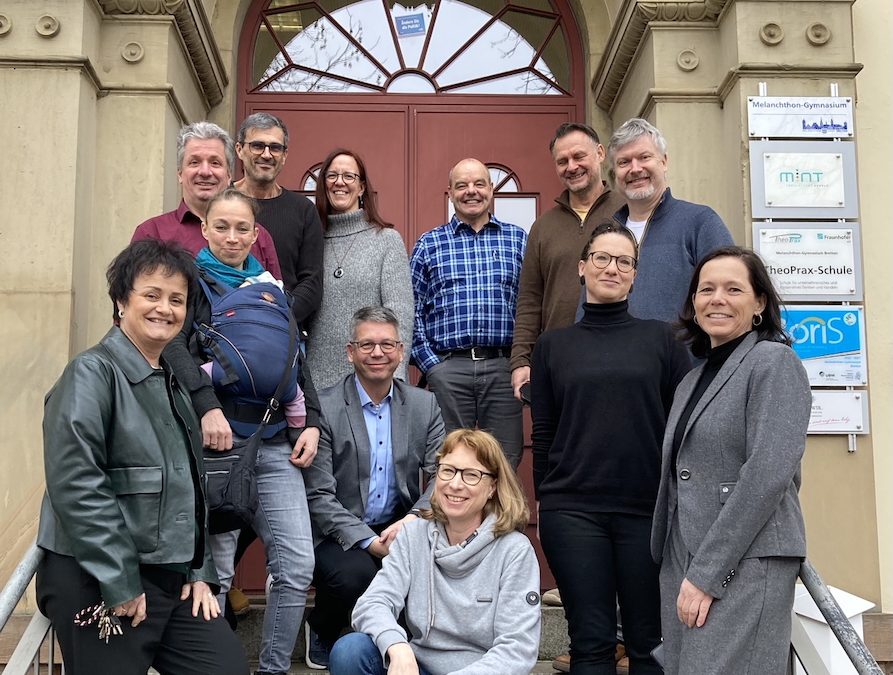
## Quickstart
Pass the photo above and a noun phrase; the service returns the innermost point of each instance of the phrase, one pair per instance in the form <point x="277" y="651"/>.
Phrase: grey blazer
<point x="738" y="467"/>
<point x="337" y="482"/>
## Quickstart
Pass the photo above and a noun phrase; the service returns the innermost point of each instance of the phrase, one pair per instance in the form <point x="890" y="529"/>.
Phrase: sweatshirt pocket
<point x="138" y="489"/>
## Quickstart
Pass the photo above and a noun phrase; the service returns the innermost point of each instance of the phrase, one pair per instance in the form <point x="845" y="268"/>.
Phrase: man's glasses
<point x="258" y="147"/>
<point x="625" y="263"/>
<point x="445" y="472"/>
<point x="386" y="346"/>
<point x="347" y="177"/>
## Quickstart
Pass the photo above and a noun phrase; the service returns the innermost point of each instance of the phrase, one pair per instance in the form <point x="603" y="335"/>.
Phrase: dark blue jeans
<point x="356" y="654"/>
<point x="599" y="559"/>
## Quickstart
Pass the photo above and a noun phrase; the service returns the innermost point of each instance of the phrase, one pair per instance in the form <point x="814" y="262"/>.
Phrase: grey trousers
<point x="479" y="394"/>
<point x="748" y="631"/>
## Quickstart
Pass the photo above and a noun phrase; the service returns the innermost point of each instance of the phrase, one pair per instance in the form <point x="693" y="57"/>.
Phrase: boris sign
<point x="811" y="261"/>
<point x="839" y="412"/>
<point x="830" y="340"/>
<point x="800" y="116"/>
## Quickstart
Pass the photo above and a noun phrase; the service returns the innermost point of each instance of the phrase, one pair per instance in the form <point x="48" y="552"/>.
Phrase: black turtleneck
<point x="601" y="391"/>
<point x="715" y="360"/>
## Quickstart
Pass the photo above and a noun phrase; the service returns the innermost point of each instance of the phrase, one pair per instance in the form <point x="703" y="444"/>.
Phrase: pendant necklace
<point x="339" y="270"/>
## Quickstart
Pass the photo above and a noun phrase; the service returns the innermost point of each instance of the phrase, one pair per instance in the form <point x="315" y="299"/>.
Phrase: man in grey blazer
<point x="379" y="439"/>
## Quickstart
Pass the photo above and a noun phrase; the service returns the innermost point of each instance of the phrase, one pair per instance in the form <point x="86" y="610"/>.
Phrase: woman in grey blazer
<point x="728" y="530"/>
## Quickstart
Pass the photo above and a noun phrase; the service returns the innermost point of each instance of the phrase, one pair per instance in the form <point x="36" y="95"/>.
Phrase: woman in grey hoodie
<point x="465" y="575"/>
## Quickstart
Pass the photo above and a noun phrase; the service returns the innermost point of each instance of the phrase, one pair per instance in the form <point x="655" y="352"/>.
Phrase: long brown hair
<point x="322" y="194"/>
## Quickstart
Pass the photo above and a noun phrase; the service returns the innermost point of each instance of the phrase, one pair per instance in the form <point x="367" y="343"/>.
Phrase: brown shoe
<point x="552" y="598"/>
<point x="238" y="601"/>
<point x="562" y="663"/>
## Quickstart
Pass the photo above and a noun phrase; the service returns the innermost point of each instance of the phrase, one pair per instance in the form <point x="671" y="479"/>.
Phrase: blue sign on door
<point x="830" y="340"/>
<point x="410" y="24"/>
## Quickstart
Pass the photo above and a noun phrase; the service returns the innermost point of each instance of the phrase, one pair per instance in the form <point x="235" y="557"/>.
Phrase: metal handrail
<point x="843" y="630"/>
<point x="18" y="583"/>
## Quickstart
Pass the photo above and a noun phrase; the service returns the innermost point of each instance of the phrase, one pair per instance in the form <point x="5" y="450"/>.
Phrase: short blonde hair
<point x="508" y="502"/>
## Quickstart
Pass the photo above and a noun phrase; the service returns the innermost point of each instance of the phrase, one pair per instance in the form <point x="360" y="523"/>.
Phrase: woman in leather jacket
<point x="123" y="523"/>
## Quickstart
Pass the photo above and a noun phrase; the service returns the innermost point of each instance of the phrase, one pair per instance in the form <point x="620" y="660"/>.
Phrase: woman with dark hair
<point x="464" y="574"/>
<point x="123" y="521"/>
<point x="728" y="530"/>
<point x="364" y="264"/>
<point x="601" y="392"/>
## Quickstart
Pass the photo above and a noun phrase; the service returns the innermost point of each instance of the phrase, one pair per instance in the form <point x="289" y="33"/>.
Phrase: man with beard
<point x="673" y="234"/>
<point x="548" y="297"/>
<point x="465" y="276"/>
<point x="292" y="220"/>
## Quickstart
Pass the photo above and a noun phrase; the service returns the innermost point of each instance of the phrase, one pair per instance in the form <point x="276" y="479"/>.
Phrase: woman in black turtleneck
<point x="601" y="392"/>
<point x="727" y="524"/>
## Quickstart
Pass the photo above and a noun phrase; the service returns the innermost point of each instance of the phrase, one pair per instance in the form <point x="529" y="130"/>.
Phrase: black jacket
<point x="120" y="490"/>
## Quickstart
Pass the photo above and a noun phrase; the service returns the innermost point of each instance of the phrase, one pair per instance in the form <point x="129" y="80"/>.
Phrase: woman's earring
<point x="582" y="280"/>
<point x="695" y="319"/>
<point x="120" y="313"/>
<point x="362" y="202"/>
<point x="755" y="322"/>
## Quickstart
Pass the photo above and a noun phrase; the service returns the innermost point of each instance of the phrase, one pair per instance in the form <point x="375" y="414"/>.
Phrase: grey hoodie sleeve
<point x="518" y="617"/>
<point x="377" y="609"/>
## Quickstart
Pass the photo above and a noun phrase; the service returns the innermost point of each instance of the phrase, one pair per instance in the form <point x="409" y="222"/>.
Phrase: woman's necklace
<point x="339" y="270"/>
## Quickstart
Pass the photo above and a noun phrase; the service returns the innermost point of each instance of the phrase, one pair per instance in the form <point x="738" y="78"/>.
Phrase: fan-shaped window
<point x="440" y="46"/>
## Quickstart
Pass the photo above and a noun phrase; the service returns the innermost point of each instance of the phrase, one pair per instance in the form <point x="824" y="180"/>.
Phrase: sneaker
<point x="236" y="599"/>
<point x="552" y="598"/>
<point x="316" y="650"/>
<point x="562" y="663"/>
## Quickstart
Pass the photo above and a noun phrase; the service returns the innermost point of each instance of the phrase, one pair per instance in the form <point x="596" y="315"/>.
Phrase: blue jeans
<point x="356" y="654"/>
<point x="282" y="523"/>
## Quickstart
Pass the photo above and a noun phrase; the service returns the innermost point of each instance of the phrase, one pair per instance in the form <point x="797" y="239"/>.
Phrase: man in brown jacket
<point x="549" y="288"/>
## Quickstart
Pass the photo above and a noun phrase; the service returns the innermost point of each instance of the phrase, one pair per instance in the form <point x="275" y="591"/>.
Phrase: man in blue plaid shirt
<point x="465" y="275"/>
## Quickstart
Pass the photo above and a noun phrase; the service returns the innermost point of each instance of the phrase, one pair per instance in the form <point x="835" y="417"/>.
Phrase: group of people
<point x="668" y="491"/>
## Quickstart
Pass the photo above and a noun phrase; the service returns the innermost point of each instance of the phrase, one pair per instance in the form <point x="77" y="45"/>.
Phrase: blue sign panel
<point x="410" y="24"/>
<point x="830" y="340"/>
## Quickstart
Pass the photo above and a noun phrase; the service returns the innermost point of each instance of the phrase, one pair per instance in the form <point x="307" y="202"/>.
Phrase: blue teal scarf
<point x="231" y="276"/>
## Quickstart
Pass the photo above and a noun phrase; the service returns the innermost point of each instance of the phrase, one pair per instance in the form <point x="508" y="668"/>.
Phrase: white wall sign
<point x="830" y="340"/>
<point x="839" y="412"/>
<point x="800" y="117"/>
<point x="803" y="179"/>
<point x="811" y="261"/>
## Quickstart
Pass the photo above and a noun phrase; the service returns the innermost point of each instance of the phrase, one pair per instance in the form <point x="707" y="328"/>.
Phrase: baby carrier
<point x="250" y="341"/>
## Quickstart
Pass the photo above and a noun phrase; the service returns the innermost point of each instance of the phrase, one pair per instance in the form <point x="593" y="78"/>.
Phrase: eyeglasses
<point x="386" y="346"/>
<point x="258" y="147"/>
<point x="348" y="177"/>
<point x="445" y="472"/>
<point x="625" y="263"/>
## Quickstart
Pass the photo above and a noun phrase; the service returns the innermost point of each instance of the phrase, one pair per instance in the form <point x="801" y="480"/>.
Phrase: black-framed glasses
<point x="347" y="176"/>
<point x="258" y="147"/>
<point x="368" y="346"/>
<point x="445" y="472"/>
<point x="601" y="259"/>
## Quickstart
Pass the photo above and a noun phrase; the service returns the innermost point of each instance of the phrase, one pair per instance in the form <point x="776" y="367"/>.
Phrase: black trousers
<point x="599" y="559"/>
<point x="340" y="578"/>
<point x="170" y="639"/>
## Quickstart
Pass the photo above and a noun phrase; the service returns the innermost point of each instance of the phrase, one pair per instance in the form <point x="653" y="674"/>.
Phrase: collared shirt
<point x="383" y="497"/>
<point x="185" y="227"/>
<point x="466" y="288"/>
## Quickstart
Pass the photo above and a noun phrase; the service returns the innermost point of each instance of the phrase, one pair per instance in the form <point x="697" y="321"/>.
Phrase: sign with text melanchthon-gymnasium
<point x="800" y="117"/>
<point x="830" y="340"/>
<point x="811" y="261"/>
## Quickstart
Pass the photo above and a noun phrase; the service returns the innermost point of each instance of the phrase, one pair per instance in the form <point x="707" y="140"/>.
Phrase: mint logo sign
<point x="803" y="179"/>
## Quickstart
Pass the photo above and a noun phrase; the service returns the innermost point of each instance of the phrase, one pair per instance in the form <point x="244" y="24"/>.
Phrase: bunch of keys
<point x="103" y="616"/>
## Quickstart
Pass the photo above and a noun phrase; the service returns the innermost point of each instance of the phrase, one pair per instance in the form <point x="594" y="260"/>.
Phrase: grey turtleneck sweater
<point x="471" y="609"/>
<point x="376" y="272"/>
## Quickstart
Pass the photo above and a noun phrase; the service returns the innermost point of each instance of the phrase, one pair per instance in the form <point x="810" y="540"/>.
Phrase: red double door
<point x="409" y="149"/>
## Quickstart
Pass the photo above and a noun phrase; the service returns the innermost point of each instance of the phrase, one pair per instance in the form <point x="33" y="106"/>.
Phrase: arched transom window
<point x="515" y="47"/>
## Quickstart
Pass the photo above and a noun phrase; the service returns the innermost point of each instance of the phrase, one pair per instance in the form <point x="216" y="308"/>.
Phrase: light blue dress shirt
<point x="383" y="498"/>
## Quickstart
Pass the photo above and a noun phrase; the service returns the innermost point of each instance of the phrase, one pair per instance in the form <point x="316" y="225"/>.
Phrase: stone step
<point x="541" y="668"/>
<point x="553" y="640"/>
